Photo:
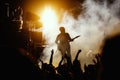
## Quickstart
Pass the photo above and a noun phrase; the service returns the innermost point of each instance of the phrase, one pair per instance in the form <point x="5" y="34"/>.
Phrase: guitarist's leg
<point x="69" y="61"/>
<point x="62" y="52"/>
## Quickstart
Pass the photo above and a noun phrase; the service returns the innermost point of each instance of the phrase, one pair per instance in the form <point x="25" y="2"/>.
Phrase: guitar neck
<point x="76" y="37"/>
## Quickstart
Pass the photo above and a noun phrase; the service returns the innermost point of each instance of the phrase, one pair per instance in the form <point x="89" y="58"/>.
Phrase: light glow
<point x="48" y="17"/>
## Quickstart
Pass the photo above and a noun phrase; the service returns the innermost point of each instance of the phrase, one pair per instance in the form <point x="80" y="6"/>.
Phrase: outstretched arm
<point x="77" y="54"/>
<point x="51" y="58"/>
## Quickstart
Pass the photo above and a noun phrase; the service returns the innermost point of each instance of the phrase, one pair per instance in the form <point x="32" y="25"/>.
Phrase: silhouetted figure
<point x="76" y="68"/>
<point x="51" y="67"/>
<point x="91" y="70"/>
<point x="63" y="42"/>
<point x="64" y="71"/>
<point x="48" y="70"/>
<point x="110" y="65"/>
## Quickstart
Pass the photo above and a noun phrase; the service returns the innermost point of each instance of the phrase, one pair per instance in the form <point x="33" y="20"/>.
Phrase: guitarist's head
<point x="62" y="29"/>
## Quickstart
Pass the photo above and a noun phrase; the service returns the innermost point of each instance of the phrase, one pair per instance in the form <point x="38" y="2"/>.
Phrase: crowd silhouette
<point x="17" y="65"/>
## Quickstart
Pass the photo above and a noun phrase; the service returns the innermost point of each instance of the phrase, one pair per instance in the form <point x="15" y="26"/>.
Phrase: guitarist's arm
<point x="69" y="38"/>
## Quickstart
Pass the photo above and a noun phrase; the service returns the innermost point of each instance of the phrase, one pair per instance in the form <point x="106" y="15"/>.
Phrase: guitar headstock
<point x="76" y="37"/>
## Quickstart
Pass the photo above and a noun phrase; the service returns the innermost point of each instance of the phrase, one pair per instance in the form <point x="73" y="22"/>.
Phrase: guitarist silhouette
<point x="63" y="43"/>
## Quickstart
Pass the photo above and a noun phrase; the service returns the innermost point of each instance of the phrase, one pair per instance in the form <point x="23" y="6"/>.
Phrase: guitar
<point x="59" y="42"/>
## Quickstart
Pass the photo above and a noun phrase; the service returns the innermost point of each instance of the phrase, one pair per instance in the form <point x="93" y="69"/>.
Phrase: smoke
<point x="96" y="21"/>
